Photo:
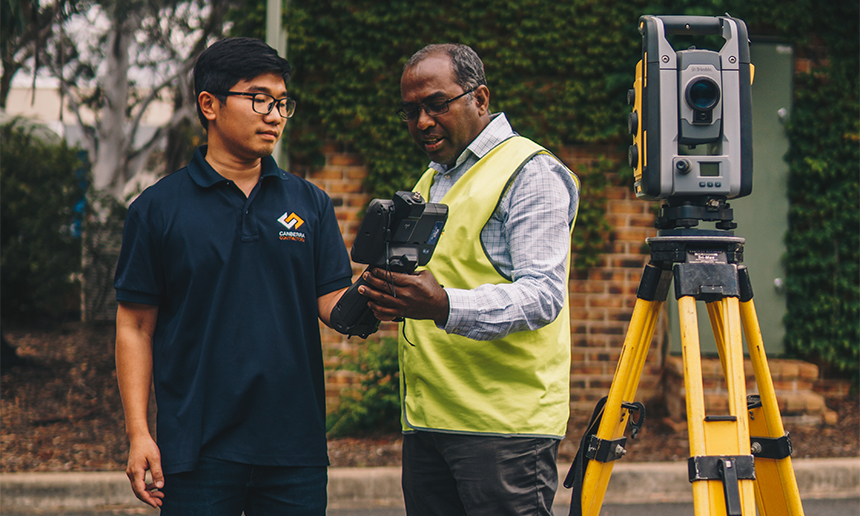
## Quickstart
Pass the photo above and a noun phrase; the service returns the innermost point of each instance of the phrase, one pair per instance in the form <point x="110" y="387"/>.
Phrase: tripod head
<point x="686" y="213"/>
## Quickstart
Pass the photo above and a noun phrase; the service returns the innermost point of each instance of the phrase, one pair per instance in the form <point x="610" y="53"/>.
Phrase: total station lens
<point x="703" y="94"/>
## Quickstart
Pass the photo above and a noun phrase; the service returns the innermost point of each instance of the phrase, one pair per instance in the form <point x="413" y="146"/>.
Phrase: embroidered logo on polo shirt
<point x="292" y="222"/>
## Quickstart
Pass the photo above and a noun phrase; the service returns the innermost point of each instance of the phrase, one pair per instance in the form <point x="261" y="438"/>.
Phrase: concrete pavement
<point x="631" y="483"/>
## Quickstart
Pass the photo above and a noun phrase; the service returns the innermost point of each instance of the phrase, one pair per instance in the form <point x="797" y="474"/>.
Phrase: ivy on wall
<point x="822" y="266"/>
<point x="823" y="258"/>
<point x="560" y="71"/>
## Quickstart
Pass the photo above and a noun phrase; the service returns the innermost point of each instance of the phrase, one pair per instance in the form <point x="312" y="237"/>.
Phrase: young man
<point x="226" y="266"/>
<point x="485" y="361"/>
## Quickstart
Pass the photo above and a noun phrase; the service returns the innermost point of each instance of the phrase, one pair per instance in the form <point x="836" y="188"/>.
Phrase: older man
<point x="484" y="361"/>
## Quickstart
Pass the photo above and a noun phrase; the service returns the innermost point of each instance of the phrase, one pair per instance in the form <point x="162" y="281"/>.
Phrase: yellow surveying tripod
<point x="731" y="471"/>
<point x="741" y="460"/>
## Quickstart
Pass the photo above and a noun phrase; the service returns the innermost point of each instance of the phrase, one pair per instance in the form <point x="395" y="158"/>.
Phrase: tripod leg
<point x="776" y="485"/>
<point x="727" y="333"/>
<point x="733" y="351"/>
<point x="624" y="385"/>
<point x="719" y="439"/>
<point x="694" y="391"/>
<point x="718" y="326"/>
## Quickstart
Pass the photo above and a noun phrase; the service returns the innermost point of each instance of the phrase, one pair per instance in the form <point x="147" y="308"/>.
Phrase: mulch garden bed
<point x="61" y="411"/>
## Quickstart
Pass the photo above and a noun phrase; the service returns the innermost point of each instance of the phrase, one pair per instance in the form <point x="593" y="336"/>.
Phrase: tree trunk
<point x="110" y="168"/>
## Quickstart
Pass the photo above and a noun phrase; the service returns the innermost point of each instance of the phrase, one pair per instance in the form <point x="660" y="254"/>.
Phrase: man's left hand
<point x="392" y="295"/>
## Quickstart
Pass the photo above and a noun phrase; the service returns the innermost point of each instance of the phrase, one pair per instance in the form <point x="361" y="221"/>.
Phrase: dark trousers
<point x="448" y="475"/>
<point x="223" y="488"/>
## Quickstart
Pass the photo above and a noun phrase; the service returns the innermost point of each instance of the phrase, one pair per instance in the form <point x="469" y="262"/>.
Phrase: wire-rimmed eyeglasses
<point x="410" y="112"/>
<point x="263" y="103"/>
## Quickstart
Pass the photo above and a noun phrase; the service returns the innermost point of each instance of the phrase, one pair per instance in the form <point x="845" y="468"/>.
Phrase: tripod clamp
<point x="607" y="450"/>
<point x="728" y="469"/>
<point x="768" y="447"/>
<point x="592" y="447"/>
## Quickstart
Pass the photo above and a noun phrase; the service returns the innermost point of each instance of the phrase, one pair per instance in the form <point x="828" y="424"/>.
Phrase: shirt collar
<point x="204" y="175"/>
<point x="497" y="131"/>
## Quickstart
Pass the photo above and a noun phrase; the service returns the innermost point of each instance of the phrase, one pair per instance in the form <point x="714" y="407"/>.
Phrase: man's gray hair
<point x="468" y="67"/>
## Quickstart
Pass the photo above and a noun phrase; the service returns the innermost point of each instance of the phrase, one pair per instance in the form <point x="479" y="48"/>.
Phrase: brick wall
<point x="799" y="392"/>
<point x="341" y="177"/>
<point x="601" y="300"/>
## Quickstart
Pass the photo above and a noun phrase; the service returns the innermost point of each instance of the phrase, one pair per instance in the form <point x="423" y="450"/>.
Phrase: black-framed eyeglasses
<point x="263" y="103"/>
<point x="410" y="112"/>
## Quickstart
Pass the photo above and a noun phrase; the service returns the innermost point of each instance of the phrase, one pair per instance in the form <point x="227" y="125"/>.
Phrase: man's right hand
<point x="135" y="324"/>
<point x="394" y="295"/>
<point x="144" y="456"/>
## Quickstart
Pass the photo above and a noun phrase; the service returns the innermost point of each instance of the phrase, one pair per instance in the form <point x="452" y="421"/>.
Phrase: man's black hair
<point x="231" y="60"/>
<point x="468" y="67"/>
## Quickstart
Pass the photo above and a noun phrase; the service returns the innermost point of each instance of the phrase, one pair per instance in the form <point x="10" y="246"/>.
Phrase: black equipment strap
<point x="593" y="448"/>
<point x="580" y="462"/>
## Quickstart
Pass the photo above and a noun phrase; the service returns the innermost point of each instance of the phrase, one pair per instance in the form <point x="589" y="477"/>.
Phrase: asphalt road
<point x="823" y="507"/>
<point x="838" y="507"/>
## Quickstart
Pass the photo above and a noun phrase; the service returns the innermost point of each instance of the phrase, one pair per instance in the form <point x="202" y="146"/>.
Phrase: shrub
<point x="375" y="405"/>
<point x="40" y="246"/>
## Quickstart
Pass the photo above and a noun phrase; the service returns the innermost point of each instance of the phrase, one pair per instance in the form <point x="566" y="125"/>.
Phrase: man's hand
<point x="144" y="456"/>
<point x="135" y="324"/>
<point x="416" y="296"/>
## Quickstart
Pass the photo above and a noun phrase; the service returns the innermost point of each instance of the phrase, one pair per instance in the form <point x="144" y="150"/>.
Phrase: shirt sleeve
<point x="139" y="276"/>
<point x="334" y="271"/>
<point x="532" y="241"/>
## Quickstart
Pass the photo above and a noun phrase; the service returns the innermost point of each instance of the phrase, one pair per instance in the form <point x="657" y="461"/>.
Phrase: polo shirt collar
<point x="205" y="176"/>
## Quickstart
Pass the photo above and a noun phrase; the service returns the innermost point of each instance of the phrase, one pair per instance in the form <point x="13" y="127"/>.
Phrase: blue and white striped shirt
<point x="527" y="239"/>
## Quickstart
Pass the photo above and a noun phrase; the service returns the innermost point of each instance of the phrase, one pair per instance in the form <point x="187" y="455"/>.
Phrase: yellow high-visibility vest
<point x="516" y="385"/>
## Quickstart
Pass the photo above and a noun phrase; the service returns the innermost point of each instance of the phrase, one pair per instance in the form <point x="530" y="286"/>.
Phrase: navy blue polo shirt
<point x="237" y="359"/>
